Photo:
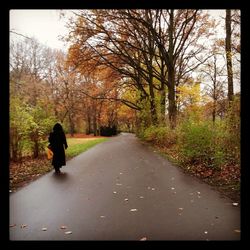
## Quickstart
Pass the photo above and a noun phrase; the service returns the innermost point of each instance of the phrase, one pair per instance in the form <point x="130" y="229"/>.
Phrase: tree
<point x="19" y="127"/>
<point x="228" y="49"/>
<point x="215" y="85"/>
<point x="142" y="45"/>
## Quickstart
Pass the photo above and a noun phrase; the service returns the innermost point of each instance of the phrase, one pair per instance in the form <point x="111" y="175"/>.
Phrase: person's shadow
<point x="63" y="176"/>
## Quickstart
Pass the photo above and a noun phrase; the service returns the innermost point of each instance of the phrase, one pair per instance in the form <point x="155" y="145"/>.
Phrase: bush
<point x="163" y="135"/>
<point x="108" y="131"/>
<point x="232" y="132"/>
<point x="195" y="142"/>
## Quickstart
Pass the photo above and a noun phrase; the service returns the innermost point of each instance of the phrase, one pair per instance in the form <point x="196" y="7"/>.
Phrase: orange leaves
<point x="29" y="170"/>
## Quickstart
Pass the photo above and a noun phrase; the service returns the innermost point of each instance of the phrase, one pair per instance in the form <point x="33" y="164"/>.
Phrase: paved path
<point x="121" y="190"/>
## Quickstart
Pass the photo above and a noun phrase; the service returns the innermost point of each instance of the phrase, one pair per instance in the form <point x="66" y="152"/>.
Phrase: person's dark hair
<point x="57" y="127"/>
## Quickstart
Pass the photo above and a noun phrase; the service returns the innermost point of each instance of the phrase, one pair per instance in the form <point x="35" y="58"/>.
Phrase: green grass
<point x="79" y="145"/>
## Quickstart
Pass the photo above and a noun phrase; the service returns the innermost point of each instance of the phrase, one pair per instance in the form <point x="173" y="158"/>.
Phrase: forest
<point x="171" y="76"/>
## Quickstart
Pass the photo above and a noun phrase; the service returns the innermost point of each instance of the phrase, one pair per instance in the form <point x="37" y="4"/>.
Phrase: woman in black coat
<point x="58" y="143"/>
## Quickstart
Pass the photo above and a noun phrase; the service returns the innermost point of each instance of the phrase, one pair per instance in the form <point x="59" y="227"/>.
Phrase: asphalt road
<point x="121" y="190"/>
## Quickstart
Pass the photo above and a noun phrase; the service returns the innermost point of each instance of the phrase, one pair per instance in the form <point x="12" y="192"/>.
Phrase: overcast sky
<point x="46" y="25"/>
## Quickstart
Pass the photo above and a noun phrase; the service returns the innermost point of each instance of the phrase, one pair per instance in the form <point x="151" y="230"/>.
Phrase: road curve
<point x="121" y="190"/>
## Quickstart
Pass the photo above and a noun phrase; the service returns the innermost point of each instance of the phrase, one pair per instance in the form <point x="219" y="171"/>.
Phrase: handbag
<point x="49" y="153"/>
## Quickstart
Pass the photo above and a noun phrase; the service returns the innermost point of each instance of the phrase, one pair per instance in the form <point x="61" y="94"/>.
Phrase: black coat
<point x="57" y="140"/>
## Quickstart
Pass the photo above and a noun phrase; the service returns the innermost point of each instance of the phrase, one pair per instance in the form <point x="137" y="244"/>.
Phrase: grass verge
<point x="79" y="145"/>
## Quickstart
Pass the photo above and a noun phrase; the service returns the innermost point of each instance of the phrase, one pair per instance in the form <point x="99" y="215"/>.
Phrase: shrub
<point x="163" y="135"/>
<point x="195" y="142"/>
<point x="108" y="131"/>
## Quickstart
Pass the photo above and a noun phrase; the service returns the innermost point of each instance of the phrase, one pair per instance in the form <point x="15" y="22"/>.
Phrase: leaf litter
<point x="68" y="232"/>
<point x="133" y="210"/>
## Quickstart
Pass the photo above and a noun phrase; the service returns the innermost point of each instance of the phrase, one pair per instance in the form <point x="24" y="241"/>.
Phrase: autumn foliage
<point x="161" y="74"/>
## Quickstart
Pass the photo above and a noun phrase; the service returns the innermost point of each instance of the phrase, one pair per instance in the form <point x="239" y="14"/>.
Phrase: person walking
<point x="58" y="144"/>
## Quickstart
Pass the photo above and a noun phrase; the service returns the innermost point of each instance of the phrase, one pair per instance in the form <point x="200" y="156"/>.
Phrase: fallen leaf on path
<point x="44" y="229"/>
<point x="142" y="239"/>
<point x="126" y="199"/>
<point x="133" y="210"/>
<point x="114" y="192"/>
<point x="63" y="227"/>
<point x="235" y="204"/>
<point x="68" y="232"/>
<point x="206" y="232"/>
<point x="172" y="188"/>
<point x="237" y="231"/>
<point x="10" y="191"/>
<point x="23" y="225"/>
<point x="12" y="225"/>
<point x="141" y="197"/>
<point x="153" y="189"/>
<point x="121" y="173"/>
<point x="181" y="208"/>
<point x="198" y="192"/>
<point x="102" y="216"/>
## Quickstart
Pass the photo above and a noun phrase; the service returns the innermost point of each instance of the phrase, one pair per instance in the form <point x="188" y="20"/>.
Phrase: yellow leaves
<point x="189" y="94"/>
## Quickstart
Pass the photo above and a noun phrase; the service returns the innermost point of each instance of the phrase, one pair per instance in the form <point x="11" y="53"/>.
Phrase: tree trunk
<point x="71" y="125"/>
<point x="163" y="101"/>
<point x="152" y="105"/>
<point x="14" y="152"/>
<point x="88" y="129"/>
<point x="214" y="112"/>
<point x="229" y="56"/>
<point x="95" y="124"/>
<point x="172" y="110"/>
<point x="36" y="149"/>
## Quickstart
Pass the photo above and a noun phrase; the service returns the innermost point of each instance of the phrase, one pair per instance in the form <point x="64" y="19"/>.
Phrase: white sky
<point x="45" y="25"/>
